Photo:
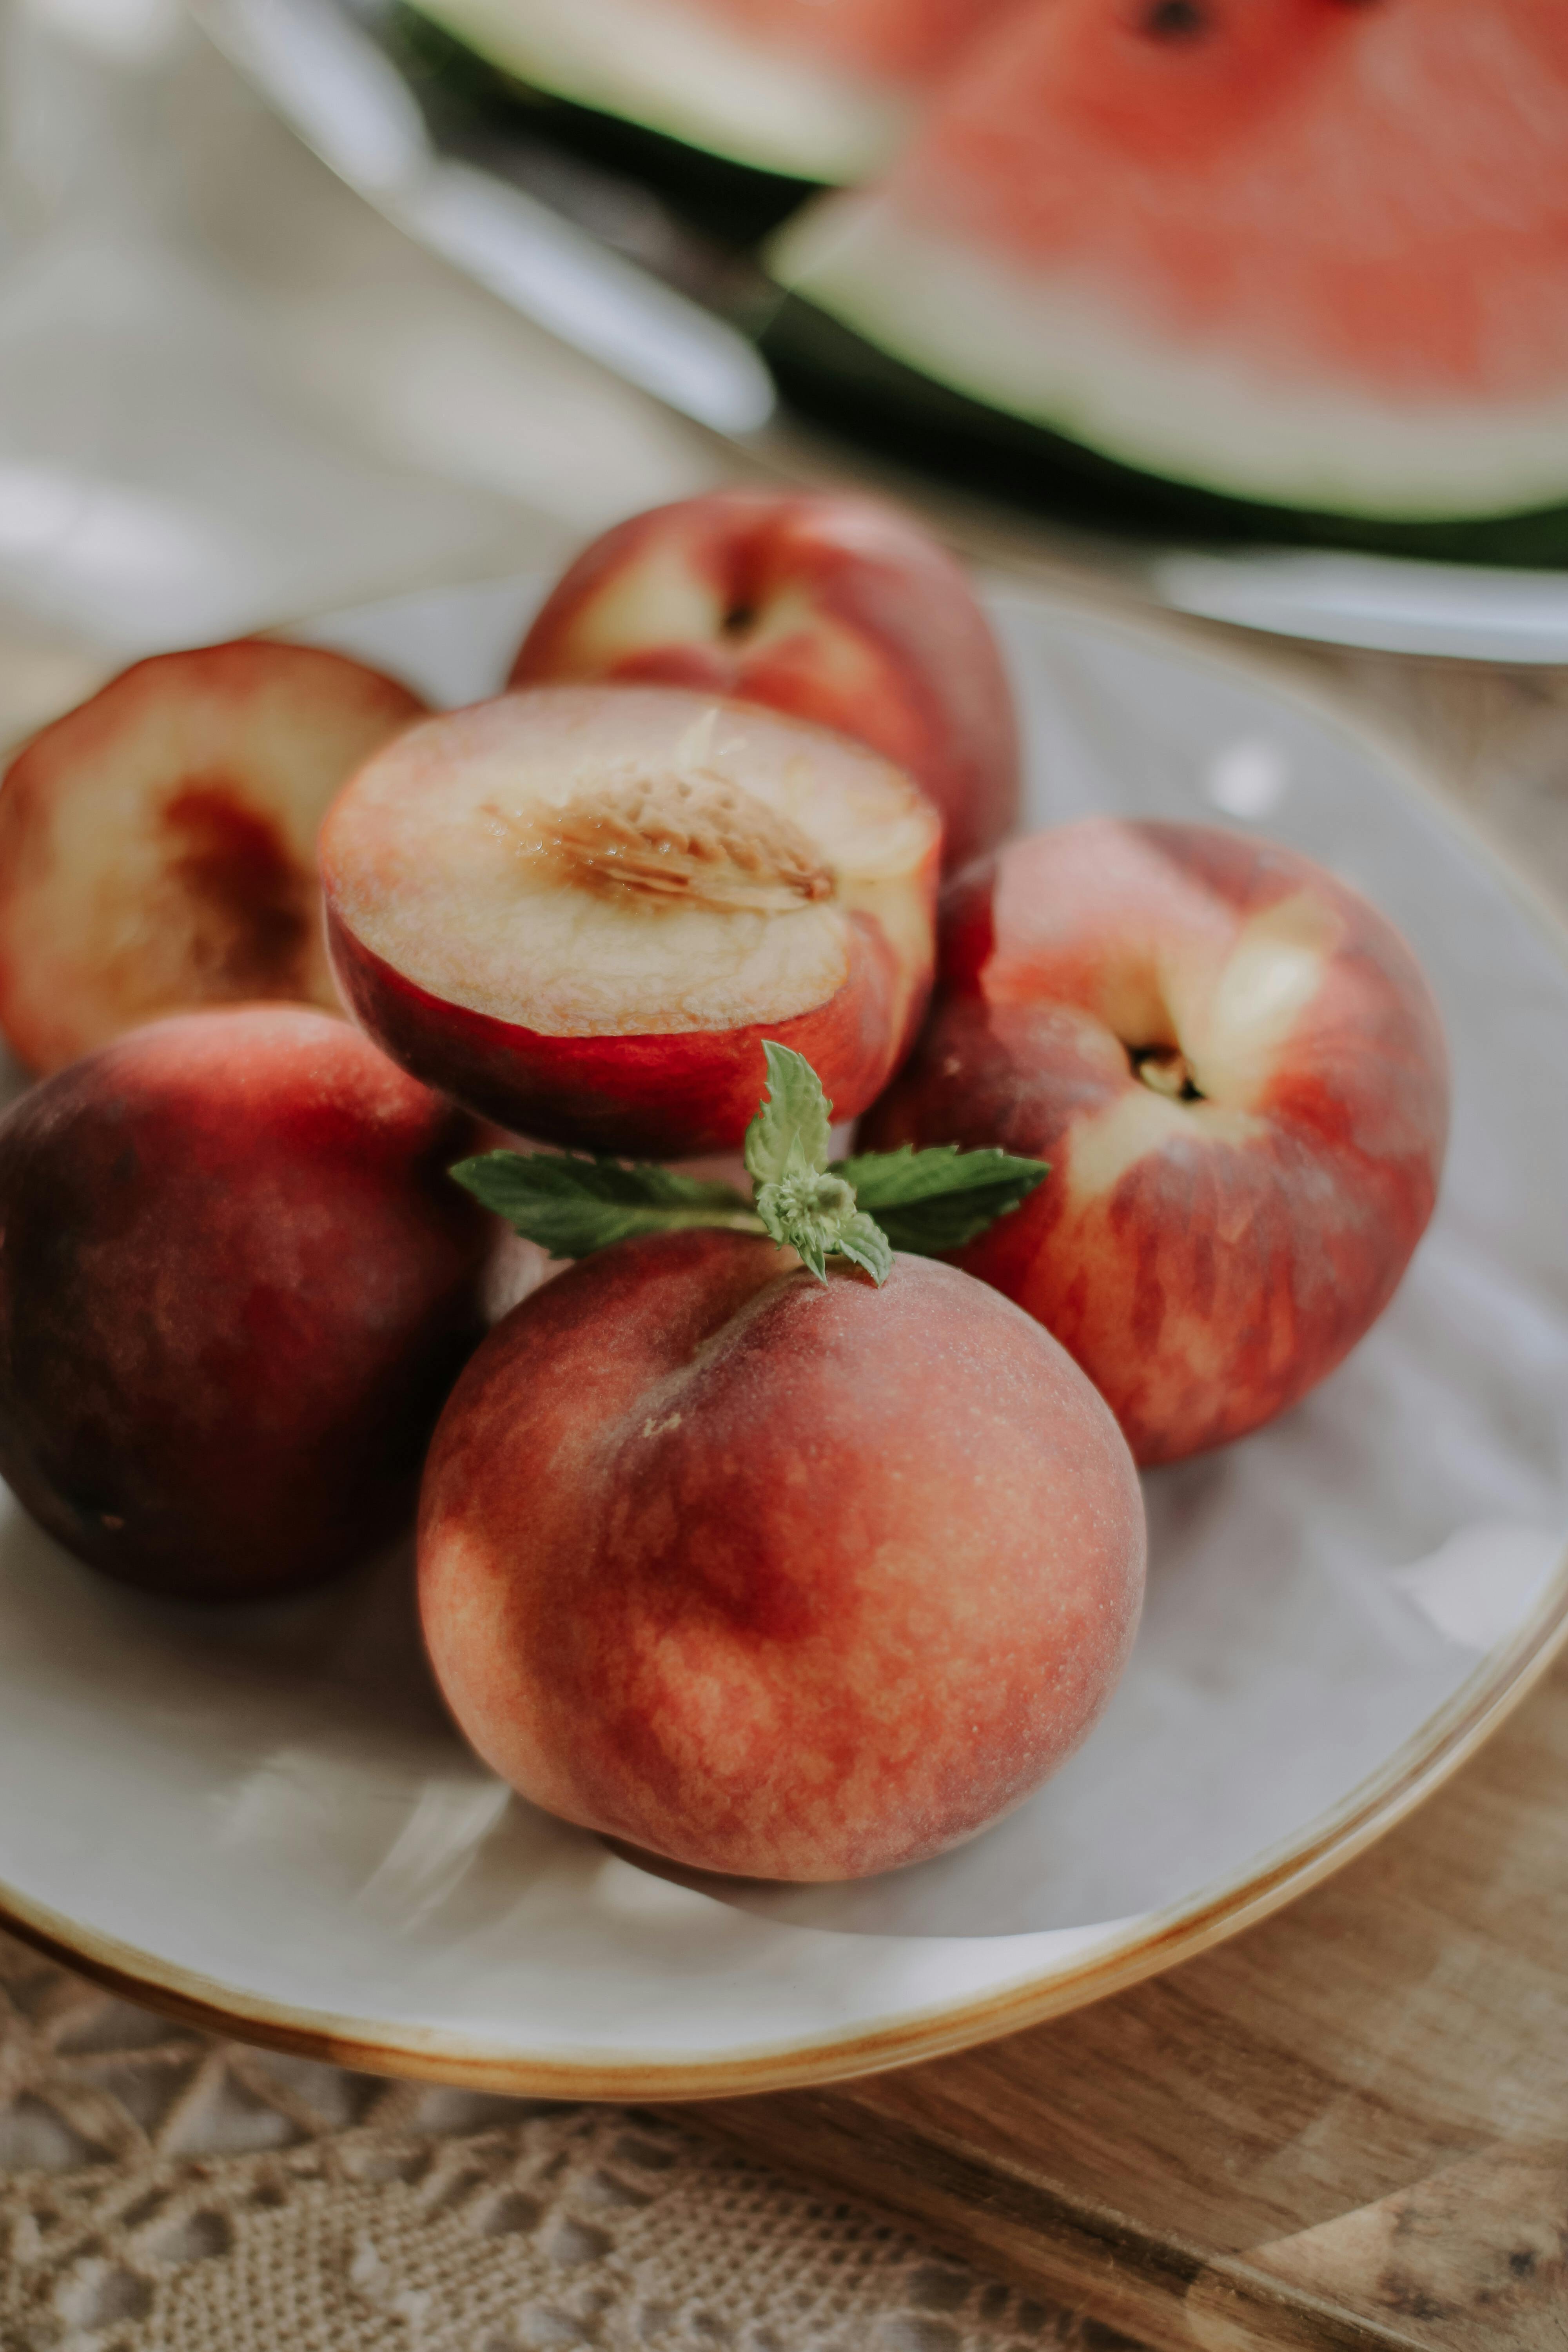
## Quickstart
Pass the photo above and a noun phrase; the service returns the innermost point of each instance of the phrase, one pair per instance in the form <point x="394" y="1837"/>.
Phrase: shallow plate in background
<point x="264" y="1818"/>
<point x="604" y="265"/>
<point x="1468" y="612"/>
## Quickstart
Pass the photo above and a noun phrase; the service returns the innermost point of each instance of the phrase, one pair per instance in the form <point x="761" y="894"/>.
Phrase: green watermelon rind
<point x="800" y="124"/>
<point x="829" y="371"/>
<point x="734" y="203"/>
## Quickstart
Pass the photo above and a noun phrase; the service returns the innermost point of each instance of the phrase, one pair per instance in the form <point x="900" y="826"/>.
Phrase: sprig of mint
<point x="925" y="1201"/>
<point x="806" y="1204"/>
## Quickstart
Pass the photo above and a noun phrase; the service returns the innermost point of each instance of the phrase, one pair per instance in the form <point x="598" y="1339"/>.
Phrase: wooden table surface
<point x="1348" y="2127"/>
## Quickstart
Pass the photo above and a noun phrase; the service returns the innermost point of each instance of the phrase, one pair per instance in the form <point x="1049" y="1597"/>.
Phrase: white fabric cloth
<point x="229" y="392"/>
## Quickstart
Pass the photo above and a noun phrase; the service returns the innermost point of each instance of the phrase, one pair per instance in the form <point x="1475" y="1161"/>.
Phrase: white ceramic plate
<point x="1469" y="612"/>
<point x="264" y="1818"/>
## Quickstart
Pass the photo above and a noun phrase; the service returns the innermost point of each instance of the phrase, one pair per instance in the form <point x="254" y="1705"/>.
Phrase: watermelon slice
<point x="1289" y="265"/>
<point x="813" y="91"/>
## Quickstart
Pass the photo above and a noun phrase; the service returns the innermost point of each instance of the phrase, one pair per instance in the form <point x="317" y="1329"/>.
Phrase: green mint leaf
<point x="811" y="1251"/>
<point x="936" y="1199"/>
<point x="863" y="1241"/>
<point x="776" y="1213"/>
<point x="788" y="1137"/>
<point x="815" y="1213"/>
<point x="571" y="1205"/>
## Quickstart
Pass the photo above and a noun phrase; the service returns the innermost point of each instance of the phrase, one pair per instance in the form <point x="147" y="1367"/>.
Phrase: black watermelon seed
<point x="1176" y="20"/>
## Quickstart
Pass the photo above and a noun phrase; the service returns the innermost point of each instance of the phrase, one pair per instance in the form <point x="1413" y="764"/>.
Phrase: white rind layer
<point x="1055" y="355"/>
<point x="695" y="80"/>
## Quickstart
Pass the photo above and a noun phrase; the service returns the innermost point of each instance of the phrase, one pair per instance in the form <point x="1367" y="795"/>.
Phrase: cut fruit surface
<point x="157" y="844"/>
<point x="815" y="89"/>
<point x="580" y="909"/>
<point x="906" y="42"/>
<point x="1300" y="253"/>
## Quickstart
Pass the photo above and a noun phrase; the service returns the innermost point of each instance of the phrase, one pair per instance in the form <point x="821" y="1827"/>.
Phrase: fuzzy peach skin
<point x="774" y="1578"/>
<point x="581" y="910"/>
<point x="235" y="1285"/>
<point x="831" y="607"/>
<point x="158" y="843"/>
<point x="1237" y="1072"/>
<point x="661" y="1097"/>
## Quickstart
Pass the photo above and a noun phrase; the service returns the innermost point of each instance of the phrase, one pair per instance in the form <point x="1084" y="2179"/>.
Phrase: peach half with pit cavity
<point x="158" y="843"/>
<point x="581" y="909"/>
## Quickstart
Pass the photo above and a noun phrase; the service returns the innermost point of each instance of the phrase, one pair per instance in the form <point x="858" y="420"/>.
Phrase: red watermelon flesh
<point x="905" y="44"/>
<point x="1369" y="189"/>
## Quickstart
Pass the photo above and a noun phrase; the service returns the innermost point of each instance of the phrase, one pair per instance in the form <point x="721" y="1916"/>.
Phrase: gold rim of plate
<point x="1156" y="1942"/>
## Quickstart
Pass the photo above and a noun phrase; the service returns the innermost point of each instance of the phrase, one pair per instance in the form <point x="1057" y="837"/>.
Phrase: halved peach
<point x="157" y="843"/>
<point x="581" y="909"/>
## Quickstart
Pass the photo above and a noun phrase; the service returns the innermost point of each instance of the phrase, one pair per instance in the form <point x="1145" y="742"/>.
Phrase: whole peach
<point x="770" y="1575"/>
<point x="235" y="1285"/>
<point x="826" y="605"/>
<point x="1237" y="1073"/>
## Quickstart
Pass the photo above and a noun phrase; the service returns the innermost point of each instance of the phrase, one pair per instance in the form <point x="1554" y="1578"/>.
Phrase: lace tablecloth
<point x="164" y="2191"/>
